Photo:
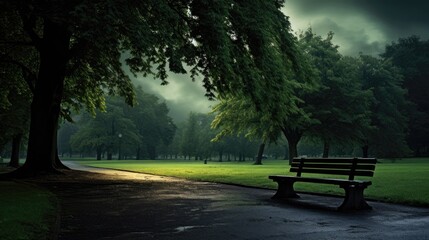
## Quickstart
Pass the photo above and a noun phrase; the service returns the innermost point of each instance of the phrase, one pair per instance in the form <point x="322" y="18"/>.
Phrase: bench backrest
<point x="336" y="166"/>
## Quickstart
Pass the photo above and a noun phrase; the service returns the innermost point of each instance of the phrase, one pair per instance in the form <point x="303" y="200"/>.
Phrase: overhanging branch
<point x="28" y="25"/>
<point x="28" y="75"/>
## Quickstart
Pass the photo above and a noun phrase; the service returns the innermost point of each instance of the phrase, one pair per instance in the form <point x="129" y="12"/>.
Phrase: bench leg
<point x="285" y="190"/>
<point x="354" y="199"/>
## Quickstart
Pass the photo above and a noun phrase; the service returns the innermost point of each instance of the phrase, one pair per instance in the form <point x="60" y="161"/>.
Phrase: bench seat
<point x="353" y="199"/>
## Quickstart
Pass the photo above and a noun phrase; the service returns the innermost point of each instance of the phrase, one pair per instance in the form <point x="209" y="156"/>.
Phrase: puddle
<point x="185" y="228"/>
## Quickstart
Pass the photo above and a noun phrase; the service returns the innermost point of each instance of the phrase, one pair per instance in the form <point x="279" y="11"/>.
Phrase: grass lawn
<point x="26" y="212"/>
<point x="402" y="181"/>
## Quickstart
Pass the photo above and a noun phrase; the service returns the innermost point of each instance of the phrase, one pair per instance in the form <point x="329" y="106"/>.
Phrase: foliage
<point x="237" y="116"/>
<point x="411" y="55"/>
<point x="240" y="48"/>
<point x="66" y="130"/>
<point x="106" y="131"/>
<point x="339" y="106"/>
<point x="388" y="108"/>
<point x="136" y="131"/>
<point x="155" y="127"/>
<point x="196" y="136"/>
<point x="330" y="105"/>
<point x="15" y="77"/>
<point x="14" y="110"/>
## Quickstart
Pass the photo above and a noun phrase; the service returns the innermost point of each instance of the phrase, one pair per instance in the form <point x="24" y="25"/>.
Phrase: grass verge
<point x="402" y="181"/>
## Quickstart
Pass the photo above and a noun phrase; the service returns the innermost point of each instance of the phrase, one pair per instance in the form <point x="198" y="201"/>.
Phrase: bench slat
<point x="334" y="166"/>
<point x="335" y="160"/>
<point x="334" y="171"/>
<point x="320" y="180"/>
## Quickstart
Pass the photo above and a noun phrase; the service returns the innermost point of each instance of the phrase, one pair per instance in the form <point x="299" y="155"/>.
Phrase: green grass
<point x="26" y="212"/>
<point x="401" y="181"/>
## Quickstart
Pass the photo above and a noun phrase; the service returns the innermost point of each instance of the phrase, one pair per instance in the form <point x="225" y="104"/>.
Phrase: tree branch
<point x="28" y="75"/>
<point x="28" y="25"/>
<point x="16" y="43"/>
<point x="76" y="52"/>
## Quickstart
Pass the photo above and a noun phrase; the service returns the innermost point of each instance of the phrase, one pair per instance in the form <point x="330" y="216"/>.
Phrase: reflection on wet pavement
<point x="111" y="204"/>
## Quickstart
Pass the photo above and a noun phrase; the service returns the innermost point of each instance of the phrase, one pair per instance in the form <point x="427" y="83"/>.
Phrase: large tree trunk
<point x="138" y="153"/>
<point x="293" y="137"/>
<point x="365" y="149"/>
<point x="98" y="152"/>
<point x="258" y="160"/>
<point x="58" y="164"/>
<point x="286" y="152"/>
<point x="151" y="150"/>
<point x="14" y="157"/>
<point x="326" y="147"/>
<point x="45" y="107"/>
<point x="293" y="149"/>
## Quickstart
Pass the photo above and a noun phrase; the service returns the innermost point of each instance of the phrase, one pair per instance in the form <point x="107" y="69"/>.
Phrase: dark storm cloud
<point x="352" y="41"/>
<point x="361" y="25"/>
<point x="398" y="12"/>
<point x="400" y="18"/>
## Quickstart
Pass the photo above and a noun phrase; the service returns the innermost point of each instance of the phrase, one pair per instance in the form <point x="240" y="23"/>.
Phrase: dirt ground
<point x="109" y="204"/>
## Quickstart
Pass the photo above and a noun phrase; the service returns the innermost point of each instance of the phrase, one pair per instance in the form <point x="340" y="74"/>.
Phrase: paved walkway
<point x="123" y="205"/>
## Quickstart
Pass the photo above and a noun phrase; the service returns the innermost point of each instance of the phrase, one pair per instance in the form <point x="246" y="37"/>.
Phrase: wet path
<point x="109" y="204"/>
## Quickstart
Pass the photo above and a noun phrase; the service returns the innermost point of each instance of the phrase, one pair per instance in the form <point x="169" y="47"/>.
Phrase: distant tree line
<point x="120" y="130"/>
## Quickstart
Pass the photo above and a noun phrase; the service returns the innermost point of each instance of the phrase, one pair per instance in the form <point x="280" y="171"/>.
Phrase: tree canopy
<point x="346" y="100"/>
<point x="239" y="48"/>
<point x="411" y="56"/>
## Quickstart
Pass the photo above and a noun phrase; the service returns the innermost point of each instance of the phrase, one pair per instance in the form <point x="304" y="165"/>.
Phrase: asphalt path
<point x="110" y="204"/>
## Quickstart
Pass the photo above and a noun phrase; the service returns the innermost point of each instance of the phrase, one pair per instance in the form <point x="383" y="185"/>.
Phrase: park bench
<point x="351" y="167"/>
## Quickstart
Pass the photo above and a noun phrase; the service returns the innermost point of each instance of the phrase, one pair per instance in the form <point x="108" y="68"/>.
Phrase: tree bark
<point x="14" y="157"/>
<point x="365" y="149"/>
<point x="98" y="154"/>
<point x="58" y="164"/>
<point x="258" y="160"/>
<point x="293" y="137"/>
<point x="326" y="146"/>
<point x="286" y="153"/>
<point x="151" y="150"/>
<point x="45" y="106"/>
<point x="138" y="153"/>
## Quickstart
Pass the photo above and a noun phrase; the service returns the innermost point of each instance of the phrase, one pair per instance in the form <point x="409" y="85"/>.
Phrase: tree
<point x="15" y="91"/>
<point x="329" y="105"/>
<point x="339" y="105"/>
<point x="155" y="127"/>
<point x="411" y="55"/>
<point x="389" y="121"/>
<point x="109" y="132"/>
<point x="235" y="45"/>
<point x="189" y="144"/>
<point x="65" y="132"/>
<point x="238" y="116"/>
<point x="14" y="112"/>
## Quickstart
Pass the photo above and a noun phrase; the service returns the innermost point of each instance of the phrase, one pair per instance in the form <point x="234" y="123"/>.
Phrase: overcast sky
<point x="359" y="26"/>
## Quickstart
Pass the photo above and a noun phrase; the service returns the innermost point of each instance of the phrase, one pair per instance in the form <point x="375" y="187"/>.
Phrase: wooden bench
<point x="351" y="167"/>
